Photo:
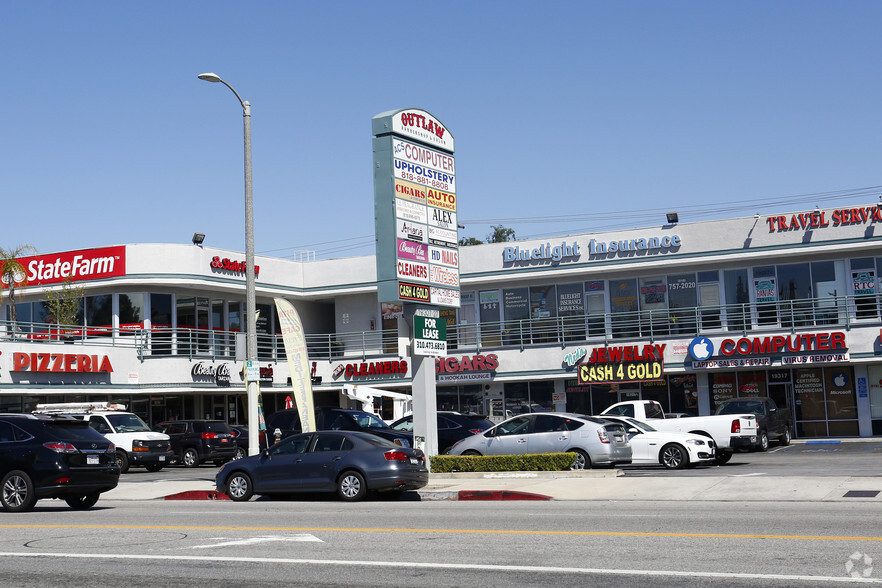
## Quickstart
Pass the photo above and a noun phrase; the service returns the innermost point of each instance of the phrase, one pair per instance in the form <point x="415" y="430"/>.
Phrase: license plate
<point x="620" y="437"/>
<point x="161" y="458"/>
<point x="414" y="461"/>
<point x="225" y="440"/>
<point x="92" y="460"/>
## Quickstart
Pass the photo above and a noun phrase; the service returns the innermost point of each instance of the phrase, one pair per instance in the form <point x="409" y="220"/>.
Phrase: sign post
<point x="416" y="226"/>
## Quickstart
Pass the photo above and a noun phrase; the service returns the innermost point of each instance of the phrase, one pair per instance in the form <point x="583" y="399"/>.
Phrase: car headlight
<point x="694" y="441"/>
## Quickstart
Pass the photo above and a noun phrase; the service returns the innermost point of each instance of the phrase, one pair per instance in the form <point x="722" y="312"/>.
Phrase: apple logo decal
<point x="701" y="348"/>
<point x="839" y="380"/>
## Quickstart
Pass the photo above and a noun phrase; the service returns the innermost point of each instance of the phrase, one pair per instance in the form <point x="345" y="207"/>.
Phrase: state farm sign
<point x="85" y="264"/>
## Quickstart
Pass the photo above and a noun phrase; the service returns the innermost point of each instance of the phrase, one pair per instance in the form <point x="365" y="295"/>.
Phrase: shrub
<point x="531" y="462"/>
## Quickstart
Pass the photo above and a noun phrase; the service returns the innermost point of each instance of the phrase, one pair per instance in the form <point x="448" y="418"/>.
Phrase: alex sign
<point x="429" y="335"/>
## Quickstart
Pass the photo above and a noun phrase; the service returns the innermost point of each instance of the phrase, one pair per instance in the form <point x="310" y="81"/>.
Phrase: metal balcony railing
<point x="646" y="325"/>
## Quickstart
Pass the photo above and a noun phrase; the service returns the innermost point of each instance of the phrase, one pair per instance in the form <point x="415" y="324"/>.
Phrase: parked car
<point x="195" y="441"/>
<point x="668" y="448"/>
<point x="772" y="422"/>
<point x="136" y="444"/>
<point x="596" y="441"/>
<point x="336" y="419"/>
<point x="349" y="463"/>
<point x="53" y="457"/>
<point x="452" y="426"/>
<point x="240" y="434"/>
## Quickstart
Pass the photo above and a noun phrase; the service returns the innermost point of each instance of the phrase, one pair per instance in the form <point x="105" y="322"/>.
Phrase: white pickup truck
<point x="729" y="432"/>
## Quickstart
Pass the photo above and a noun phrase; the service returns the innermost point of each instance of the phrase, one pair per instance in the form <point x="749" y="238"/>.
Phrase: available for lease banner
<point x="298" y="363"/>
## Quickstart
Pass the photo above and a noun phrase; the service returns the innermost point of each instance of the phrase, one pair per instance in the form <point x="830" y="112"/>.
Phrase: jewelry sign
<point x="415" y="209"/>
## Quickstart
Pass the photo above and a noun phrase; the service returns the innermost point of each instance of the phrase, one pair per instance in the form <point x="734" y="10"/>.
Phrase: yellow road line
<point x="452" y="531"/>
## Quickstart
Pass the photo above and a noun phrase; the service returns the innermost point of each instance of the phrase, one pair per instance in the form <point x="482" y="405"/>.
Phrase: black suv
<point x="336" y="419"/>
<point x="452" y="426"/>
<point x="196" y="441"/>
<point x="53" y="457"/>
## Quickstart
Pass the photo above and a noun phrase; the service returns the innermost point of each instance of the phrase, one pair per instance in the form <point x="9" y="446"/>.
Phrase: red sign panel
<point x="84" y="264"/>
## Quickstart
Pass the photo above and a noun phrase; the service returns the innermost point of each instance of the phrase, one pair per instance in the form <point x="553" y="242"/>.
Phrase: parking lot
<point x="802" y="458"/>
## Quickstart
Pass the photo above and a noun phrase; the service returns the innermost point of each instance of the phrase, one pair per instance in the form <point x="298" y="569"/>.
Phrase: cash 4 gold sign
<point x="630" y="363"/>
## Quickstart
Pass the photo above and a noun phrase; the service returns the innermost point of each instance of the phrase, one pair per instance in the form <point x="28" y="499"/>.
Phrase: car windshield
<point x="743" y="406"/>
<point x="127" y="423"/>
<point x="641" y="425"/>
<point x="366" y="420"/>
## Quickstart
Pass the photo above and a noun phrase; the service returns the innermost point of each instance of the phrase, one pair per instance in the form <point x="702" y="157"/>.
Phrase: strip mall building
<point x="689" y="314"/>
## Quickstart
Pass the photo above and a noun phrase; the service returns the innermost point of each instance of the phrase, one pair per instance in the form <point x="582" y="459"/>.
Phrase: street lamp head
<point x="209" y="77"/>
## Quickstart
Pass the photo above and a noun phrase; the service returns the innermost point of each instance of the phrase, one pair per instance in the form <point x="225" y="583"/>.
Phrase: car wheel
<point x="470" y="452"/>
<point x="153" y="467"/>
<point x="351" y="486"/>
<point x="583" y="462"/>
<point x="723" y="457"/>
<point x="190" y="458"/>
<point x="17" y="492"/>
<point x="784" y="439"/>
<point x="122" y="460"/>
<point x="82" y="502"/>
<point x="762" y="441"/>
<point x="239" y="487"/>
<point x="240" y="453"/>
<point x="674" y="457"/>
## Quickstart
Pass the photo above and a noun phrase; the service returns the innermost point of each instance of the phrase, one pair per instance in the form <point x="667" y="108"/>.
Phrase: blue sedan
<point x="349" y="463"/>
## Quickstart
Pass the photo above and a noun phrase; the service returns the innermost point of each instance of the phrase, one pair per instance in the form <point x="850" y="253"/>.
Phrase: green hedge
<point x="531" y="462"/>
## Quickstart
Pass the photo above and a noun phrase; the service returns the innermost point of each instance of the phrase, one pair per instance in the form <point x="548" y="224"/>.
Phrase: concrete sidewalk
<point x="598" y="485"/>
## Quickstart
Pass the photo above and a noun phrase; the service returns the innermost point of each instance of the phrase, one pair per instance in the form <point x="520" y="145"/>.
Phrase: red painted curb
<point x="198" y="495"/>
<point x="500" y="495"/>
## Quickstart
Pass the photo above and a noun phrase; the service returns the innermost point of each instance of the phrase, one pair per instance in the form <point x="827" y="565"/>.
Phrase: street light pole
<point x="250" y="296"/>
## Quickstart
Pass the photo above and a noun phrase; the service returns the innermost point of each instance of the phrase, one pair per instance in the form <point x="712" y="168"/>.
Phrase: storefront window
<point x="489" y="309"/>
<point x="722" y="387"/>
<point x="684" y="393"/>
<point x="543" y="310"/>
<point x="654" y="318"/>
<point x="131" y="312"/>
<point x="623" y="308"/>
<point x="516" y="329"/>
<point x="865" y="287"/>
<point x="752" y="384"/>
<point x="794" y="292"/>
<point x="737" y="299"/>
<point x="682" y="300"/>
<point x="571" y="309"/>
<point x="160" y="324"/>
<point x="765" y="291"/>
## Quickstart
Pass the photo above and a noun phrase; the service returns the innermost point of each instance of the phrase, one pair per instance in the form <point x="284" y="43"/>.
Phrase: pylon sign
<point x="415" y="209"/>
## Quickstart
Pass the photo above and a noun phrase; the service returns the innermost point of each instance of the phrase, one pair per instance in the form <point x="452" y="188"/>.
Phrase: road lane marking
<point x="454" y="531"/>
<point x="228" y="541"/>
<point x="399" y="565"/>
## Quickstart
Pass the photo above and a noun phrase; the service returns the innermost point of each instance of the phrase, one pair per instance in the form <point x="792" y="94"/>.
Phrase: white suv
<point x="136" y="444"/>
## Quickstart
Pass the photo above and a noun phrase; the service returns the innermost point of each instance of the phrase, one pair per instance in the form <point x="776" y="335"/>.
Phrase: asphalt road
<point x="322" y="542"/>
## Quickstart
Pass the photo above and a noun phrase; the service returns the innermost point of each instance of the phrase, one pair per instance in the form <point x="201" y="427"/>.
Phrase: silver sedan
<point x="596" y="441"/>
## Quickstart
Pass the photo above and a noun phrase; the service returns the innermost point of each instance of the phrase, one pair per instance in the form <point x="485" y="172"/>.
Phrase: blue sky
<point x="569" y="117"/>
